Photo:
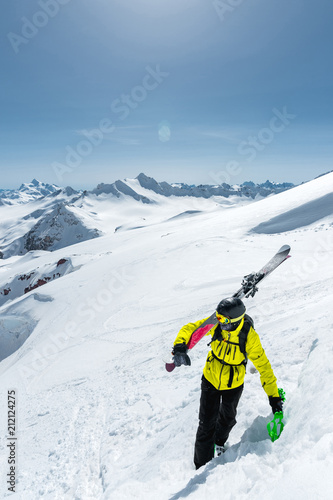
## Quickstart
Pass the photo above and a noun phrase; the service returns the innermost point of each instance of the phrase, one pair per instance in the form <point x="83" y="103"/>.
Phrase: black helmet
<point x="232" y="308"/>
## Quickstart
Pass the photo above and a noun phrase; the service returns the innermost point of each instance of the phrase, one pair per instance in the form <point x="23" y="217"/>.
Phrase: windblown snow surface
<point x="98" y="417"/>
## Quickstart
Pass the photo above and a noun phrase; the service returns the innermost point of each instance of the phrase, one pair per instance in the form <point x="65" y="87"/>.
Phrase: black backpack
<point x="248" y="323"/>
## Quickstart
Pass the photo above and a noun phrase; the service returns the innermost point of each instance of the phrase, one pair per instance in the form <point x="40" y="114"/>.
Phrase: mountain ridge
<point x="49" y="217"/>
<point x="36" y="189"/>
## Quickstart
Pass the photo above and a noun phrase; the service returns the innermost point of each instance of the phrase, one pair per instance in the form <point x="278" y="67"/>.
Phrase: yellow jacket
<point x="225" y="364"/>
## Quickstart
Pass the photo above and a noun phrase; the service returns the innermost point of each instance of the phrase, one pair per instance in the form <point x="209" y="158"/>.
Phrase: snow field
<point x="100" y="418"/>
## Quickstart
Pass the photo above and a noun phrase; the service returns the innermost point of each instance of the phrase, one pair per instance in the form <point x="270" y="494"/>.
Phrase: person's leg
<point x="209" y="408"/>
<point x="227" y="414"/>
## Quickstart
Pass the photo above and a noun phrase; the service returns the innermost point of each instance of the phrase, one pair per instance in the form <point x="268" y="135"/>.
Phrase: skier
<point x="223" y="375"/>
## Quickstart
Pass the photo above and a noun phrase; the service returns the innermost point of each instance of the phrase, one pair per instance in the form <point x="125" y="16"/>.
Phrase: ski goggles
<point x="225" y="320"/>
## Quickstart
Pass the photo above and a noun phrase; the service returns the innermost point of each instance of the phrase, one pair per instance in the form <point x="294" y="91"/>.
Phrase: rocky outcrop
<point x="60" y="226"/>
<point x="25" y="283"/>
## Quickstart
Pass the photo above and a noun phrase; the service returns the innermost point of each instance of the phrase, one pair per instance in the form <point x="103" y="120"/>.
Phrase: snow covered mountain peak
<point x="119" y="189"/>
<point x="27" y="192"/>
<point x="33" y="191"/>
<point x="57" y="227"/>
<point x="37" y="189"/>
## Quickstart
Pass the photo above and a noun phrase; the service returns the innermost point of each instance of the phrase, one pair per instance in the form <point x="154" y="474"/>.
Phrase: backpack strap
<point x="248" y="323"/>
<point x="217" y="334"/>
<point x="242" y="336"/>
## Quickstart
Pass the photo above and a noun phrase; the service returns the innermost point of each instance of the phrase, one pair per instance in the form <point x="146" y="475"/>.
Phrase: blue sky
<point x="196" y="91"/>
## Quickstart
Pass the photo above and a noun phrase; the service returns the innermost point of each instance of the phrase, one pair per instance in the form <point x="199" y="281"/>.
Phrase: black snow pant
<point x="217" y="416"/>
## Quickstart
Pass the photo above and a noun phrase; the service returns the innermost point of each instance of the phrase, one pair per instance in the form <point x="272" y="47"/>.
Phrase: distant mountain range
<point x="32" y="191"/>
<point x="56" y="217"/>
<point x="39" y="218"/>
<point x="35" y="190"/>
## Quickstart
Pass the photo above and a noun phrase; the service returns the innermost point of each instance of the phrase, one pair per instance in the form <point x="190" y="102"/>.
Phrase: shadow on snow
<point x="255" y="440"/>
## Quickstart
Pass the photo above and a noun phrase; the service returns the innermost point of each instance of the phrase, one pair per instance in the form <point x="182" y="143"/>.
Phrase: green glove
<point x="275" y="426"/>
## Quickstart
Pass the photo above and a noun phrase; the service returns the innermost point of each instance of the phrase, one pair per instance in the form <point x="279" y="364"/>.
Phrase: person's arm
<point x="186" y="331"/>
<point x="180" y="356"/>
<point x="258" y="357"/>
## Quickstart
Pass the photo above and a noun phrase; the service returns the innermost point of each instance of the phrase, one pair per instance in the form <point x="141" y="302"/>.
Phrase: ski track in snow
<point x="65" y="458"/>
<point x="103" y="420"/>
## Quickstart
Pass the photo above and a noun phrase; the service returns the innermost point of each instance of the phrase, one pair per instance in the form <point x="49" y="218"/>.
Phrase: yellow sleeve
<point x="258" y="357"/>
<point x="186" y="331"/>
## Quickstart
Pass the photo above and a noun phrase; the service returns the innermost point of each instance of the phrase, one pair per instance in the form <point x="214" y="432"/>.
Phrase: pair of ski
<point x="248" y="288"/>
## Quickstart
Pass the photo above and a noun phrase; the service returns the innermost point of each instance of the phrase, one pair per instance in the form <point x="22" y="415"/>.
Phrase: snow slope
<point x="303" y="215"/>
<point x="98" y="415"/>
